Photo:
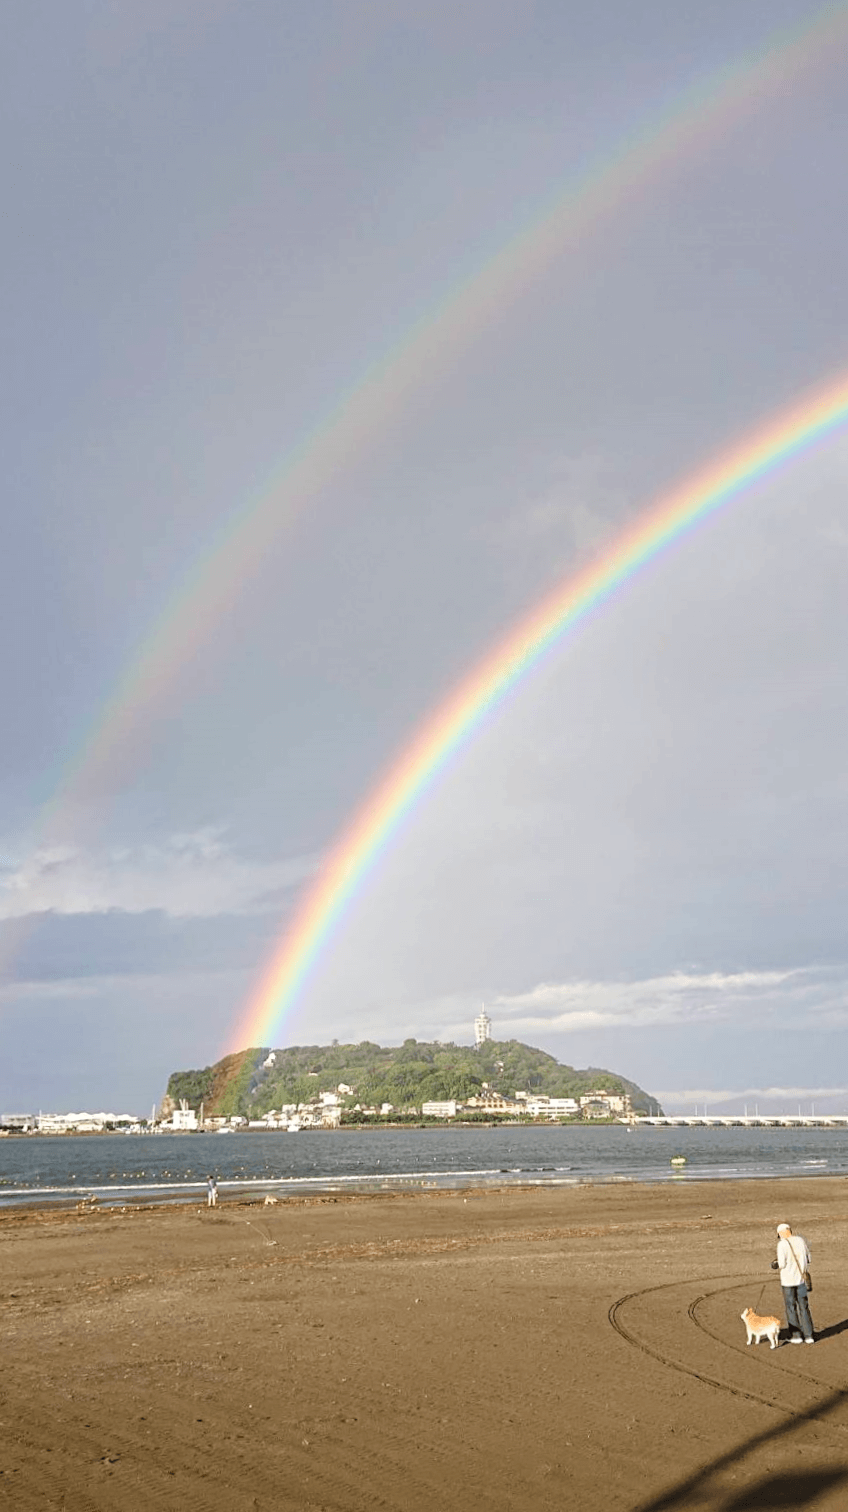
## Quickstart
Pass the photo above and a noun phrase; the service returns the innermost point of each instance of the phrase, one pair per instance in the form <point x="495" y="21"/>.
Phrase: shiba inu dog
<point x="759" y="1328"/>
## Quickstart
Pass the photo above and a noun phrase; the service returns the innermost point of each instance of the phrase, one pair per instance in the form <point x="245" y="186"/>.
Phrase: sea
<point x="122" y="1169"/>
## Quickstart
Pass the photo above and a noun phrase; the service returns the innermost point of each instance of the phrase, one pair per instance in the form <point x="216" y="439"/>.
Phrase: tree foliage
<point x="405" y="1076"/>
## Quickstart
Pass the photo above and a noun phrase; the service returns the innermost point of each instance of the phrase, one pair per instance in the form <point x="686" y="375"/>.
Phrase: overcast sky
<point x="218" y="217"/>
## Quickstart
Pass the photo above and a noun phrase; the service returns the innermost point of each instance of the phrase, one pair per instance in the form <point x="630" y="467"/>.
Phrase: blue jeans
<point x="798" y="1318"/>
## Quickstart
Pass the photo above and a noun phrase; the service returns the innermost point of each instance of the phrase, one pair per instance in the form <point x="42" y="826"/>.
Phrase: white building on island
<point x="184" y="1117"/>
<point x="482" y="1028"/>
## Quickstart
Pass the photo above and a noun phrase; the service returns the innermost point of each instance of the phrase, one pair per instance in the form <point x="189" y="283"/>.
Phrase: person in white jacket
<point x="793" y="1262"/>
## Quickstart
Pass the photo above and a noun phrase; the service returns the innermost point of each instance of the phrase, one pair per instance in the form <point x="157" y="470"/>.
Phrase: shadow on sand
<point x="709" y="1489"/>
<point x="835" y="1328"/>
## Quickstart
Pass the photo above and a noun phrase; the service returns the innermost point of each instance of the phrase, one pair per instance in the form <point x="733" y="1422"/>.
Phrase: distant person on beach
<point x="211" y="1192"/>
<point x="793" y="1262"/>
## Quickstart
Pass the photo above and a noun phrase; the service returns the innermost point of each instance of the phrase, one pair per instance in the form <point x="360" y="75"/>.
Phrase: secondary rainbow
<point x="120" y="735"/>
<point x="443" y="734"/>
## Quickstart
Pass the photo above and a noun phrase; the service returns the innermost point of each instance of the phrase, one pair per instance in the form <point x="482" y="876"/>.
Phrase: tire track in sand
<point x="818" y="1395"/>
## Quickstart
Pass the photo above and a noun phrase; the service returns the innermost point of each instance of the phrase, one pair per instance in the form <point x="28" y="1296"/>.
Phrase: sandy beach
<point x="533" y="1349"/>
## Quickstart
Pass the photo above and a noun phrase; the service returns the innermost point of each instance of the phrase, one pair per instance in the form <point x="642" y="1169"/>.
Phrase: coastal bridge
<point x="748" y="1121"/>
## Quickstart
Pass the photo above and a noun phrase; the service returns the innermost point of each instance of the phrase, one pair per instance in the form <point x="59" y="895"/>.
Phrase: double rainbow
<point x="119" y="737"/>
<point x="113" y="742"/>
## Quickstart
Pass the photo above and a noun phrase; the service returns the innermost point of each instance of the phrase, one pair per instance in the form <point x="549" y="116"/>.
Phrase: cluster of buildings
<point x="326" y="1111"/>
<point x="598" y="1104"/>
<point x="66" y="1123"/>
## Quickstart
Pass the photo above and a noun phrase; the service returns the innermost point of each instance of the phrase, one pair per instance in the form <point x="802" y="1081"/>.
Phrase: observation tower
<point x="482" y="1028"/>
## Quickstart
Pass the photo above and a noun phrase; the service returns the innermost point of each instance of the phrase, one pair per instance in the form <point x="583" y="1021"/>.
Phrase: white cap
<point x="782" y="1226"/>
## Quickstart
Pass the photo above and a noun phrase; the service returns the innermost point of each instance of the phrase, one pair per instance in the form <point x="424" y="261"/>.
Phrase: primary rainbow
<point x="120" y="735"/>
<point x="454" y="722"/>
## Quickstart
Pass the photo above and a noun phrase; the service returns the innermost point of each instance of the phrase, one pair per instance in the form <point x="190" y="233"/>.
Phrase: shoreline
<point x="358" y="1125"/>
<point x="340" y="1350"/>
<point x="285" y="1192"/>
<point x="833" y="1123"/>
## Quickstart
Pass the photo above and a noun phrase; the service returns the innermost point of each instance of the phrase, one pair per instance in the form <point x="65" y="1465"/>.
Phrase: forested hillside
<point x="405" y="1076"/>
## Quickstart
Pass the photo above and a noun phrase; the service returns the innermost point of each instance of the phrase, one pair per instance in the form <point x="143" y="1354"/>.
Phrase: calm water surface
<point x="165" y="1167"/>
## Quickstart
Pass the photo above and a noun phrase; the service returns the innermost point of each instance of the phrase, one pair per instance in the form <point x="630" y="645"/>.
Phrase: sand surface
<point x="534" y="1349"/>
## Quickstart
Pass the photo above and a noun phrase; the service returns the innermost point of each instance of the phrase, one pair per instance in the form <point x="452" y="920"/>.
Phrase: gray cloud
<point x="767" y="1095"/>
<point x="679" y="998"/>
<point x="186" y="876"/>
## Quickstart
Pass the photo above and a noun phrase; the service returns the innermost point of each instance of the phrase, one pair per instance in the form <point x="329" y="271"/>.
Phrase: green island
<point x="370" y="1083"/>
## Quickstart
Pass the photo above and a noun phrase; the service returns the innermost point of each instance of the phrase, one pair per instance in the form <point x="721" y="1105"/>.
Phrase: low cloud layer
<point x="690" y="1097"/>
<point x="682" y="997"/>
<point x="195" y="875"/>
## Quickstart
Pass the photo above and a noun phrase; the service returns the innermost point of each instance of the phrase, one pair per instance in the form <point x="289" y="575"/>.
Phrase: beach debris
<point x="261" y="1230"/>
<point x="270" y="1201"/>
